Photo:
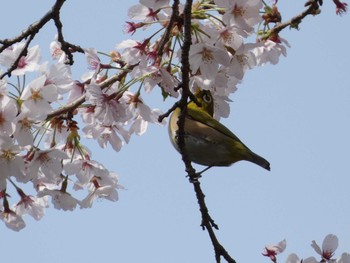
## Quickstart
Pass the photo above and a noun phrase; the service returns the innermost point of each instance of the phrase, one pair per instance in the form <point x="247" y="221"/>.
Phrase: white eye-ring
<point x="207" y="98"/>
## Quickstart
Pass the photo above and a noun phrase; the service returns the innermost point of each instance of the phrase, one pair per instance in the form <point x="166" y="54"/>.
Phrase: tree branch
<point x="312" y="9"/>
<point x="166" y="36"/>
<point x="207" y="221"/>
<point x="34" y="29"/>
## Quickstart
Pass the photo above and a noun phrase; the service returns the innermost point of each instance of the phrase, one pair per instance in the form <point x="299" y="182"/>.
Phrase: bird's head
<point x="205" y="101"/>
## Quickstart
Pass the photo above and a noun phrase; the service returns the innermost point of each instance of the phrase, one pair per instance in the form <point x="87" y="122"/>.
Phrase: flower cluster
<point x="40" y="140"/>
<point x="326" y="253"/>
<point x="220" y="53"/>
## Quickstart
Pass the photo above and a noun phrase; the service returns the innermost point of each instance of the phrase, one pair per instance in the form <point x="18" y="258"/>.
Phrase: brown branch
<point x="207" y="221"/>
<point x="166" y="36"/>
<point x="162" y="116"/>
<point x="313" y="8"/>
<point x="185" y="70"/>
<point x="67" y="47"/>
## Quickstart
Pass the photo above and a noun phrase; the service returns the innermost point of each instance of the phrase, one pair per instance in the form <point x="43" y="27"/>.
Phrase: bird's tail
<point x="260" y="161"/>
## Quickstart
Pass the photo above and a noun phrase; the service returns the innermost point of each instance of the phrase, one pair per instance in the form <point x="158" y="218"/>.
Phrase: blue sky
<point x="295" y="114"/>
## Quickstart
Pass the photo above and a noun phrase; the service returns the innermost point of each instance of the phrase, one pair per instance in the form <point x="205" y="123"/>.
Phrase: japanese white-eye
<point x="207" y="141"/>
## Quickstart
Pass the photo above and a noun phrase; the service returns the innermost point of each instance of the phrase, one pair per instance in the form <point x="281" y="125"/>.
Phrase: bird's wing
<point x="205" y="118"/>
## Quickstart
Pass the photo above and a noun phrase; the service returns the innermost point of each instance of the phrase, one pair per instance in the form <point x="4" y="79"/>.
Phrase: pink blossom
<point x="272" y="250"/>
<point x="155" y="4"/>
<point x="329" y="245"/>
<point x="242" y="60"/>
<point x="269" y="51"/>
<point x="345" y="258"/>
<point x="34" y="206"/>
<point x="60" y="199"/>
<point x="293" y="258"/>
<point x="12" y="220"/>
<point x="59" y="75"/>
<point x="143" y="13"/>
<point x="23" y="131"/>
<point x="8" y="112"/>
<point x="56" y="51"/>
<point x="341" y="7"/>
<point x="85" y="169"/>
<point x="48" y="162"/>
<point x="37" y="97"/>
<point x="107" y="134"/>
<point x="108" y="107"/>
<point x="102" y="187"/>
<point x="207" y="58"/>
<point x="11" y="163"/>
<point x="27" y="63"/>
<point x="243" y="14"/>
<point x="133" y="50"/>
<point x="131" y="27"/>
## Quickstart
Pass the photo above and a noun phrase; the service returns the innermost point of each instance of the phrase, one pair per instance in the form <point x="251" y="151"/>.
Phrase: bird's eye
<point x="207" y="98"/>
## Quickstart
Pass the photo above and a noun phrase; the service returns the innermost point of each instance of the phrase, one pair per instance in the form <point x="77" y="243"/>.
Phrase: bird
<point x="206" y="141"/>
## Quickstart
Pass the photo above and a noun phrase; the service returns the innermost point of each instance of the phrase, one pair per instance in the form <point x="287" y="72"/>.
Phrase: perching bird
<point x="207" y="141"/>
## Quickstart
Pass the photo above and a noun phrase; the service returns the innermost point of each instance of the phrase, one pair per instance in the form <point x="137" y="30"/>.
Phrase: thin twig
<point x="166" y="36"/>
<point x="34" y="29"/>
<point x="66" y="47"/>
<point x="312" y="9"/>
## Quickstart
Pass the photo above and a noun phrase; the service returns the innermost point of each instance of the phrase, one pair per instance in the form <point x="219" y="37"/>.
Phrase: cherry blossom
<point x="8" y="112"/>
<point x="108" y="106"/>
<point x="23" y="131"/>
<point x="155" y="4"/>
<point x="131" y="27"/>
<point x="269" y="52"/>
<point x="56" y="51"/>
<point x="293" y="258"/>
<point x="221" y="106"/>
<point x="243" y="14"/>
<point x="153" y="76"/>
<point x="58" y="74"/>
<point x="102" y="187"/>
<point x="329" y="245"/>
<point x="34" y="206"/>
<point x="341" y="7"/>
<point x="143" y="13"/>
<point x="48" y="162"/>
<point x="11" y="163"/>
<point x="229" y="36"/>
<point x="133" y="50"/>
<point x="207" y="58"/>
<point x="272" y="250"/>
<point x="3" y="91"/>
<point x="85" y="170"/>
<point x="60" y="199"/>
<point x="27" y="63"/>
<point x="12" y="220"/>
<point x="37" y="97"/>
<point x="108" y="134"/>
<point x="92" y="58"/>
<point x="242" y="60"/>
<point x="345" y="258"/>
